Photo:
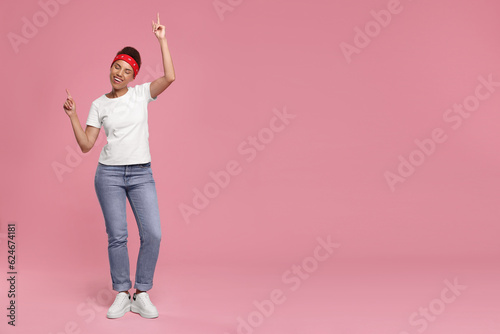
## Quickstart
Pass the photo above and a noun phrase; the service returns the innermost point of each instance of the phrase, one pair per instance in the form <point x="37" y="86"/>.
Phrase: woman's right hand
<point x="70" y="105"/>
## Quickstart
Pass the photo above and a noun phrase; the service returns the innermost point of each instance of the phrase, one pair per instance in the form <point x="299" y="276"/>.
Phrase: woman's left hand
<point x="158" y="29"/>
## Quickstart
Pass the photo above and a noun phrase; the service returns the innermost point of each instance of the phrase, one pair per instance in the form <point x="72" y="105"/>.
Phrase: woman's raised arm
<point x="160" y="84"/>
<point x="86" y="139"/>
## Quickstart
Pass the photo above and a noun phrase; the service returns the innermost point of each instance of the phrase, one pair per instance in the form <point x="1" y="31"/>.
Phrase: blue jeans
<point x="113" y="184"/>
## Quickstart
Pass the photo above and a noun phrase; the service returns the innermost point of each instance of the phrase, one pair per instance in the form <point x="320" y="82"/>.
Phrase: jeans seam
<point x="139" y="220"/>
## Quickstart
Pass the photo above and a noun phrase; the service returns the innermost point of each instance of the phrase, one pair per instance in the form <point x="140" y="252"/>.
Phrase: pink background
<point x="322" y="175"/>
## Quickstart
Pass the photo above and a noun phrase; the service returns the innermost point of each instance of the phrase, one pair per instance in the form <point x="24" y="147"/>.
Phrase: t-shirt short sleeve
<point x="145" y="91"/>
<point x="93" y="118"/>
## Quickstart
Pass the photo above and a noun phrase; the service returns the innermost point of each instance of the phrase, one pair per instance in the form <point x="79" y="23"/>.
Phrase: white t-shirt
<point x="125" y="121"/>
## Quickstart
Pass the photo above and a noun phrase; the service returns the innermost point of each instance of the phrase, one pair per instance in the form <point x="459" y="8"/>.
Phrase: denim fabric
<point x="113" y="184"/>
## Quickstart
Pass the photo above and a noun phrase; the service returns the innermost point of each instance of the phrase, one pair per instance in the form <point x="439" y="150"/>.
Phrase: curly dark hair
<point x="132" y="52"/>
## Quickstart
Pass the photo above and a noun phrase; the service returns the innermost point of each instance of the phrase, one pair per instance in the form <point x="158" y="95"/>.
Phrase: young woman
<point x="124" y="171"/>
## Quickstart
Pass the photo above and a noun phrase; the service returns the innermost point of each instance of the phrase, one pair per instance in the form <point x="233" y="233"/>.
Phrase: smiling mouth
<point x="117" y="80"/>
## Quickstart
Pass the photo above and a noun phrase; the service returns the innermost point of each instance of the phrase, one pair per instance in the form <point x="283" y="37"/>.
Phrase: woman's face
<point x="120" y="74"/>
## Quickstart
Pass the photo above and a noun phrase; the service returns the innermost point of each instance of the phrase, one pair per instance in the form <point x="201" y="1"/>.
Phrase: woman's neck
<point x="117" y="93"/>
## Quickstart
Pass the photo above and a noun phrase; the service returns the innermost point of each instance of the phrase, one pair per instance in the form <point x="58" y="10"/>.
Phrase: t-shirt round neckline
<point x="116" y="98"/>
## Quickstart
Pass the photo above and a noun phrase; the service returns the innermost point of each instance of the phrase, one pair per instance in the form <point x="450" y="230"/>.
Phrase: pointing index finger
<point x="67" y="92"/>
<point x="158" y="15"/>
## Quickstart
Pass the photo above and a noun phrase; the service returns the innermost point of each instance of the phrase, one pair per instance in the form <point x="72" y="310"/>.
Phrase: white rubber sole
<point x="118" y="315"/>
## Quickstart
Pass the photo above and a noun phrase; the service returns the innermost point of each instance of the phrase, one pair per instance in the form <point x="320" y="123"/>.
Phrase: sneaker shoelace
<point x="119" y="299"/>
<point x="144" y="299"/>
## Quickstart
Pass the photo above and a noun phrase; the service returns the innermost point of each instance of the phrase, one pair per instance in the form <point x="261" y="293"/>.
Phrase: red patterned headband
<point x="129" y="60"/>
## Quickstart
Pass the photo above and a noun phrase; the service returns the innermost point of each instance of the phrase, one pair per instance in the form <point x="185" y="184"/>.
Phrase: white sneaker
<point x="120" y="306"/>
<point x="142" y="304"/>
